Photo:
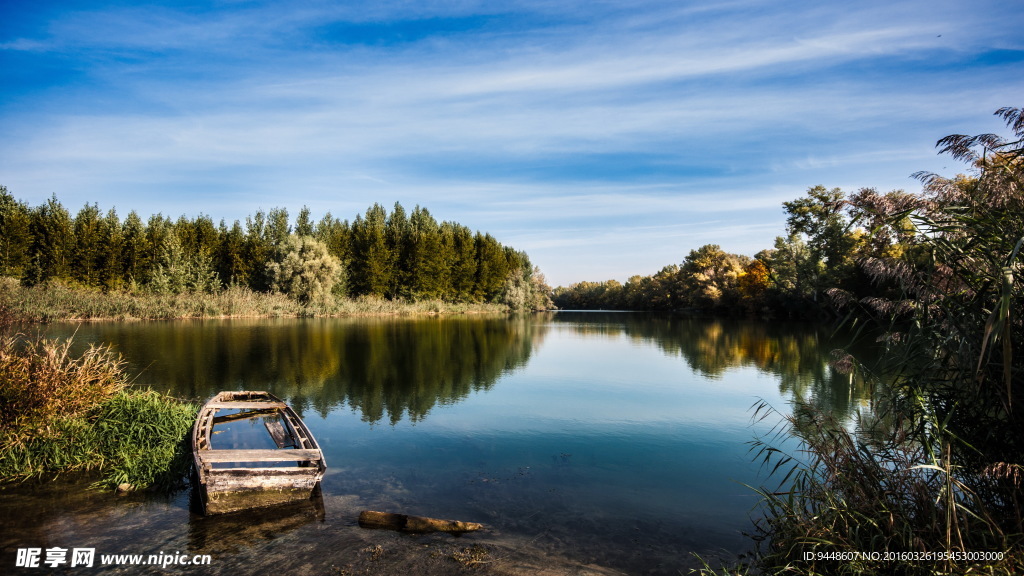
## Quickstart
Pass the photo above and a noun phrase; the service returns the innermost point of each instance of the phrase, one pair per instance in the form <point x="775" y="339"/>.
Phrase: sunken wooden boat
<point x="279" y="461"/>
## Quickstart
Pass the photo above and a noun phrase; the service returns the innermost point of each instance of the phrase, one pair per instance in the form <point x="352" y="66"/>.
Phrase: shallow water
<point x="615" y="442"/>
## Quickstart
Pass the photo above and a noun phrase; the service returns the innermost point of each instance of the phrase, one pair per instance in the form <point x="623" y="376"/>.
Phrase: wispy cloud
<point x="637" y="128"/>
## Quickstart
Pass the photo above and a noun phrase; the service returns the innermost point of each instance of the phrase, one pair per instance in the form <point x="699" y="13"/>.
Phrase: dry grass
<point x="61" y="413"/>
<point x="40" y="381"/>
<point x="58" y="302"/>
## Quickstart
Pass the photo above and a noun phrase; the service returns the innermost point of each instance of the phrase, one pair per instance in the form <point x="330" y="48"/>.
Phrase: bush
<point x="305" y="270"/>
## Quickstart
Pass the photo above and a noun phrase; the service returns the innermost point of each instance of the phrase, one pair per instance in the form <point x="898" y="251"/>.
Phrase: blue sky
<point x="606" y="139"/>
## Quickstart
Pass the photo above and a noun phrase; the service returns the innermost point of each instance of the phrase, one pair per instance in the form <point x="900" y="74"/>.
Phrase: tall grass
<point x="57" y="302"/>
<point x="937" y="479"/>
<point x="862" y="501"/>
<point x="40" y="380"/>
<point x="60" y="413"/>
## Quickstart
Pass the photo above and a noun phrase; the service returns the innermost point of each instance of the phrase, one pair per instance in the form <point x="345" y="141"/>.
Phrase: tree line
<point x="393" y="255"/>
<point x="832" y="240"/>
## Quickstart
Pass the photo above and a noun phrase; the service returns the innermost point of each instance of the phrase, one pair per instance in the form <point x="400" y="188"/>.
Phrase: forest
<point x="830" y="242"/>
<point x="396" y="255"/>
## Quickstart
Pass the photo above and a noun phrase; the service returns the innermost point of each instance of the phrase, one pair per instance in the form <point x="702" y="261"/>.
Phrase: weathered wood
<point x="417" y="524"/>
<point x="277" y="432"/>
<point x="243" y="415"/>
<point x="270" y="455"/>
<point x="233" y="479"/>
<point x="242" y="405"/>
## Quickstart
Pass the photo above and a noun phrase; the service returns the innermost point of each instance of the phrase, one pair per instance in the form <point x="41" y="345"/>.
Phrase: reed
<point x="934" y="484"/>
<point x="867" y="501"/>
<point x="60" y="302"/>
<point x="40" y="380"/>
<point x="60" y="413"/>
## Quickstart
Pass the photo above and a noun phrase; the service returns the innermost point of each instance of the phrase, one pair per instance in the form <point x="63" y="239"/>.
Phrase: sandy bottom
<point x="308" y="538"/>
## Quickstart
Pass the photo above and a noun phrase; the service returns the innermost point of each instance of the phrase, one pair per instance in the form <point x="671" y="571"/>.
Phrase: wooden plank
<point x="257" y="455"/>
<point x="277" y="432"/>
<point x="269" y="472"/>
<point x="243" y="416"/>
<point x="230" y="405"/>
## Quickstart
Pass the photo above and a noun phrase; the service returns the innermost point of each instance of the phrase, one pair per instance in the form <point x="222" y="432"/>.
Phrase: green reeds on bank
<point x="62" y="413"/>
<point x="873" y="500"/>
<point x="56" y="302"/>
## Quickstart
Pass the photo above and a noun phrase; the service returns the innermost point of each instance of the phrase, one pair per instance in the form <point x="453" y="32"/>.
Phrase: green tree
<point x="86" y="252"/>
<point x="53" y="241"/>
<point x="398" y="233"/>
<point x="462" y="266"/>
<point x="372" y="259"/>
<point x="176" y="272"/>
<point x="16" y="238"/>
<point x="429" y="273"/>
<point x="792" y="267"/>
<point x="303" y="223"/>
<point x="233" y="267"/>
<point x="820" y="216"/>
<point x="710" y="277"/>
<point x="257" y="248"/>
<point x="277" y="229"/>
<point x="109" y="269"/>
<point x="133" y="249"/>
<point x="492" y="268"/>
<point x="336" y="235"/>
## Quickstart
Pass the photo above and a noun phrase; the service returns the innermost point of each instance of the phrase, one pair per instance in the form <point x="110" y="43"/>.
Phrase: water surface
<point x="610" y="440"/>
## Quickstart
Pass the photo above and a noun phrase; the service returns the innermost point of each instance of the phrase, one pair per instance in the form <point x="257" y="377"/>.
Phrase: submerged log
<point x="418" y="524"/>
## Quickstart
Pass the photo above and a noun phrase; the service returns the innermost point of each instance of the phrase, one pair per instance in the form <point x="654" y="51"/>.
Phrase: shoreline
<point x="61" y="303"/>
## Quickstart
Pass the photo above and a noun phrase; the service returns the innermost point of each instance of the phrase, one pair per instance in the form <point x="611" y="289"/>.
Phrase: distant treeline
<point x="832" y="240"/>
<point x="390" y="255"/>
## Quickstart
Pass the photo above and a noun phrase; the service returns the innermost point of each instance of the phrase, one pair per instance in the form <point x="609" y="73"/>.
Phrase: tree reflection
<point x="384" y="368"/>
<point x="797" y="354"/>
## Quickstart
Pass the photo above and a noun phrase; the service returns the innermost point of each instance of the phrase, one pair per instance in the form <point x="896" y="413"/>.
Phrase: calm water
<point x="602" y="439"/>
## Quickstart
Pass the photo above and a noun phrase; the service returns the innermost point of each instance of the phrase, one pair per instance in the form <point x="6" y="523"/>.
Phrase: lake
<point x="584" y="441"/>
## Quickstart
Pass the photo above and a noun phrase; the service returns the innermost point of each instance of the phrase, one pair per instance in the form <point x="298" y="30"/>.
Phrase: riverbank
<point x="57" y="302"/>
<point x="63" y="413"/>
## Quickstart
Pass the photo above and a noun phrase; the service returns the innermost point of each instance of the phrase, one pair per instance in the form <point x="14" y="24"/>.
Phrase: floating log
<point x="417" y="524"/>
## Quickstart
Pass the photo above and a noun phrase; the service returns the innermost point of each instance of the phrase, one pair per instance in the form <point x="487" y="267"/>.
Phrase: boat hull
<point x="229" y="480"/>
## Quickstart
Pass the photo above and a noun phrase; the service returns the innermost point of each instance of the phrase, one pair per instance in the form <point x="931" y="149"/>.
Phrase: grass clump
<point x="61" y="413"/>
<point x="40" y="381"/>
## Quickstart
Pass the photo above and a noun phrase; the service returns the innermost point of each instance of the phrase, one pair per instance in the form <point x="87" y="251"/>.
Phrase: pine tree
<point x="15" y="239"/>
<point x="133" y="249"/>
<point x="336" y="235"/>
<point x="110" y="274"/>
<point x="232" y="265"/>
<point x="428" y="274"/>
<point x="257" y="249"/>
<point x="399" y="237"/>
<point x="303" y="224"/>
<point x="53" y="241"/>
<point x="371" y="255"/>
<point x="86" y="252"/>
<point x="464" y="264"/>
<point x="492" y="268"/>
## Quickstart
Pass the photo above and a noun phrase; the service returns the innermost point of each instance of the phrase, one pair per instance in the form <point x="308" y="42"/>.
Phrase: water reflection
<point x="386" y="369"/>
<point x="232" y="533"/>
<point x="796" y="354"/>
<point x="390" y="368"/>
